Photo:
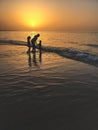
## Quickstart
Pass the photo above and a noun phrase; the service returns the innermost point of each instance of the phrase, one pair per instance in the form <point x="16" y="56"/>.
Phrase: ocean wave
<point x="12" y="42"/>
<point x="64" y="52"/>
<point x="92" y="45"/>
<point x="74" y="54"/>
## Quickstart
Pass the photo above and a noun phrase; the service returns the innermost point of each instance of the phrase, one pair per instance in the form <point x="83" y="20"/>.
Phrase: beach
<point x="49" y="91"/>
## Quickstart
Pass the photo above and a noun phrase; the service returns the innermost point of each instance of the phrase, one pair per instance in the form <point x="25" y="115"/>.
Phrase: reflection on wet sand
<point x="34" y="58"/>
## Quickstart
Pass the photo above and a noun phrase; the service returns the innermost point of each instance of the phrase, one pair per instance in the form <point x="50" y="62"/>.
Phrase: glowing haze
<point x="49" y="15"/>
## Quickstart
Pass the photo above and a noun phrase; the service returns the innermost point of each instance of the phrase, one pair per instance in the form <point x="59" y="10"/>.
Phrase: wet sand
<point x="47" y="92"/>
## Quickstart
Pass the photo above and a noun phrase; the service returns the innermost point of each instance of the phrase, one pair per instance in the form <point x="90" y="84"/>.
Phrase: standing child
<point x="40" y="45"/>
<point x="28" y="44"/>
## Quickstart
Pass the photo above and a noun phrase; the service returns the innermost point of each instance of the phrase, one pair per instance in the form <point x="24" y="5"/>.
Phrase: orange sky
<point x="48" y="15"/>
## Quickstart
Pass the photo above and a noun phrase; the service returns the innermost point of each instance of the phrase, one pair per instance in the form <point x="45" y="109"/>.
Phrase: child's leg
<point x="40" y="44"/>
<point x="33" y="48"/>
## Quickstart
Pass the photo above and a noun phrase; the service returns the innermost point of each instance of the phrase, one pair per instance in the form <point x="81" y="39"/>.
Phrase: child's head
<point x="40" y="41"/>
<point x="38" y="35"/>
<point x="28" y="37"/>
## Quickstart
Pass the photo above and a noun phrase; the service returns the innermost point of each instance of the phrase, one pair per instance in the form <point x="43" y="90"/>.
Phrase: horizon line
<point x="57" y="30"/>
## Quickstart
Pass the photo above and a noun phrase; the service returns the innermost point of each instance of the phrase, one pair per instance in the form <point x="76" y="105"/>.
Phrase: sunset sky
<point x="49" y="15"/>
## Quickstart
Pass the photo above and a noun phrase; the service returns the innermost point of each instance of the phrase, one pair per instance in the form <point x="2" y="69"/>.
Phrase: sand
<point x="46" y="92"/>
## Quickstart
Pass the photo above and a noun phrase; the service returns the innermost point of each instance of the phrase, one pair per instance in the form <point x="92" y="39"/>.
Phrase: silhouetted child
<point x="40" y="50"/>
<point x="28" y="43"/>
<point x="40" y="45"/>
<point x="33" y="41"/>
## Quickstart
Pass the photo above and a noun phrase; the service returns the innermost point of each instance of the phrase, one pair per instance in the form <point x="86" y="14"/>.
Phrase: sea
<point x="55" y="89"/>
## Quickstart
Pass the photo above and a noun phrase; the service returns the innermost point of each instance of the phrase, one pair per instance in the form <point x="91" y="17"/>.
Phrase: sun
<point x="33" y="24"/>
<point x="33" y="21"/>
